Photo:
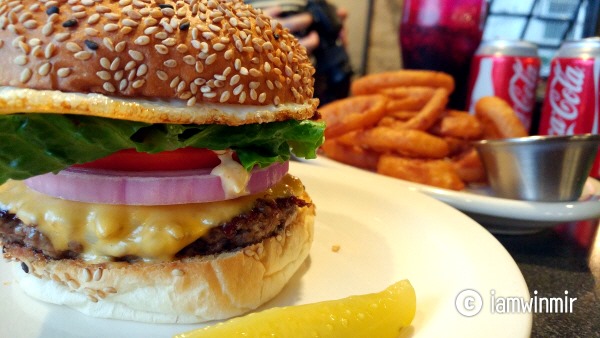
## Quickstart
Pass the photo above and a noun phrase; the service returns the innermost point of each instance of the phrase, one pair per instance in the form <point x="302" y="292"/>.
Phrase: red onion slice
<point x="147" y="188"/>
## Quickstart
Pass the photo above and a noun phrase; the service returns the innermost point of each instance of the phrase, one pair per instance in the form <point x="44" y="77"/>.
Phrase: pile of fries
<point x="397" y="124"/>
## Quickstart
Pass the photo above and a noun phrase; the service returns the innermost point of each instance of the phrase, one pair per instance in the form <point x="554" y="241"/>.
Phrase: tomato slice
<point x="180" y="159"/>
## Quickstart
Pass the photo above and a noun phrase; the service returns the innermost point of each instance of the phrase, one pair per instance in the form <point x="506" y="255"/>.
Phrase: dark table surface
<point x="559" y="259"/>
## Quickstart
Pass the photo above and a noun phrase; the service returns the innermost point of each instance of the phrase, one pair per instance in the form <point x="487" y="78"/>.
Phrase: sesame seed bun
<point x="223" y="54"/>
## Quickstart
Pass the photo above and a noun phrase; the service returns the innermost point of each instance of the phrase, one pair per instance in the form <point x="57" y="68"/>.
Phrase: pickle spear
<point x="381" y="314"/>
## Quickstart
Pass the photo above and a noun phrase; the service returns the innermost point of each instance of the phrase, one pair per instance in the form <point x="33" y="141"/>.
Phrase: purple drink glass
<point x="443" y="35"/>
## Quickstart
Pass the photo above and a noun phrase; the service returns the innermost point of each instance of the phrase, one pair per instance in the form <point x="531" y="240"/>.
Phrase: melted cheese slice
<point x="154" y="233"/>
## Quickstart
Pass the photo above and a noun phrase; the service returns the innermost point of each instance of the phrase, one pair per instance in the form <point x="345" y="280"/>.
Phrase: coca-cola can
<point x="508" y="69"/>
<point x="572" y="102"/>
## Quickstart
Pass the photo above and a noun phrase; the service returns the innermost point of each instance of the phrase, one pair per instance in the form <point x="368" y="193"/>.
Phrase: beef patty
<point x="267" y="218"/>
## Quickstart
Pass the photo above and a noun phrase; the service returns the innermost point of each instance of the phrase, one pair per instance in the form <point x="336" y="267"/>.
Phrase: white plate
<point x="502" y="215"/>
<point x="385" y="232"/>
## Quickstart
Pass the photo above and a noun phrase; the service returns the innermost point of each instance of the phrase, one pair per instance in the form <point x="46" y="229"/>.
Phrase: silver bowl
<point x="539" y="168"/>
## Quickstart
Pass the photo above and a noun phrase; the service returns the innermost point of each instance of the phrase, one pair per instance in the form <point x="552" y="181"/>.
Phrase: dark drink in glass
<point x="442" y="35"/>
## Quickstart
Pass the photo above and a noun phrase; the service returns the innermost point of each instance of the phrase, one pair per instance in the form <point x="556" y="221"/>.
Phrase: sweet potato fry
<point x="374" y="83"/>
<point x="498" y="119"/>
<point x="352" y="155"/>
<point x="461" y="125"/>
<point x="412" y="143"/>
<point x="469" y="167"/>
<point x="439" y="173"/>
<point x="352" y="113"/>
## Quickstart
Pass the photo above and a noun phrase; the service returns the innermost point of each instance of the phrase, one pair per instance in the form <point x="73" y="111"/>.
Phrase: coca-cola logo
<point x="564" y="98"/>
<point x="521" y="87"/>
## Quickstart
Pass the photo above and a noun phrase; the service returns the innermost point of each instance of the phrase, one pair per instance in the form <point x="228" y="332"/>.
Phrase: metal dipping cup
<point x="539" y="168"/>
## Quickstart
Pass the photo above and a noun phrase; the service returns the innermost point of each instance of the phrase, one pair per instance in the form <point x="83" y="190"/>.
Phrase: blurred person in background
<point x="319" y="27"/>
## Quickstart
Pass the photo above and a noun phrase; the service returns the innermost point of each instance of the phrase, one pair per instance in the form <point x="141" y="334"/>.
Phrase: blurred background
<point x="373" y="27"/>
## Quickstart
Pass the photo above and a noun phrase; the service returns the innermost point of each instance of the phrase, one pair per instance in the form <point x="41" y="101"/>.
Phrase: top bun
<point x="198" y="51"/>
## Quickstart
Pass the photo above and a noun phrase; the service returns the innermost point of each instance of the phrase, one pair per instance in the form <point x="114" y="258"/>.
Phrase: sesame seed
<point x="169" y="42"/>
<point x="87" y="3"/>
<point x="174" y="82"/>
<point x="242" y="97"/>
<point x="151" y="30"/>
<point x="24" y="47"/>
<point x="191" y="101"/>
<point x="138" y="83"/>
<point x="109" y="88"/>
<point x="86" y="275"/>
<point x="102" y="9"/>
<point x="209" y="95"/>
<point x="219" y="47"/>
<point x="253" y="94"/>
<point x="104" y="75"/>
<point x="161" y="75"/>
<point x="181" y="86"/>
<point x="161" y="35"/>
<point x="63" y="72"/>
<point x="161" y="49"/>
<point x="91" y="44"/>
<point x="208" y="35"/>
<point x="36" y="51"/>
<point x="123" y="84"/>
<point x="225" y="97"/>
<point x="45" y="69"/>
<point x="190" y="60"/>
<point x="91" y="31"/>
<point x="129" y="23"/>
<point x="142" y="40"/>
<point x="108" y="44"/>
<point x="119" y="75"/>
<point x="170" y="63"/>
<point x="184" y="26"/>
<point x="120" y="47"/>
<point x="262" y="97"/>
<point x="83" y="55"/>
<point x="237" y="90"/>
<point x="211" y="59"/>
<point x="134" y="15"/>
<point x="48" y="29"/>
<point x="49" y="50"/>
<point x="181" y="48"/>
<point x="111" y="27"/>
<point x="150" y="22"/>
<point x="137" y="56"/>
<point x="30" y="24"/>
<point x="70" y="23"/>
<point x="199" y="67"/>
<point x="126" y="30"/>
<point x="105" y="63"/>
<point x="255" y="72"/>
<point x="21" y="60"/>
<point x="114" y="65"/>
<point x="124" y="3"/>
<point x="73" y="47"/>
<point x="142" y="70"/>
<point x="243" y="70"/>
<point x="130" y="65"/>
<point x="52" y="10"/>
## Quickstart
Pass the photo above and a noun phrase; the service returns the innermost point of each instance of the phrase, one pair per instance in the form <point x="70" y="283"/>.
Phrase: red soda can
<point x="572" y="102"/>
<point x="508" y="69"/>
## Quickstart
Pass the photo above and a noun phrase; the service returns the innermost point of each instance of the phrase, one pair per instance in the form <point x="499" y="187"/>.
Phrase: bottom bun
<point x="190" y="290"/>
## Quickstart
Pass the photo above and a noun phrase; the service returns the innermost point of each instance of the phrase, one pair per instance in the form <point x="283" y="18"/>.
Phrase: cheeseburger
<point x="144" y="153"/>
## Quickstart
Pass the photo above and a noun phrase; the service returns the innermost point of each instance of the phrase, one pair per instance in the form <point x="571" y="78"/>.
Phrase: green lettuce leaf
<point x="34" y="144"/>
